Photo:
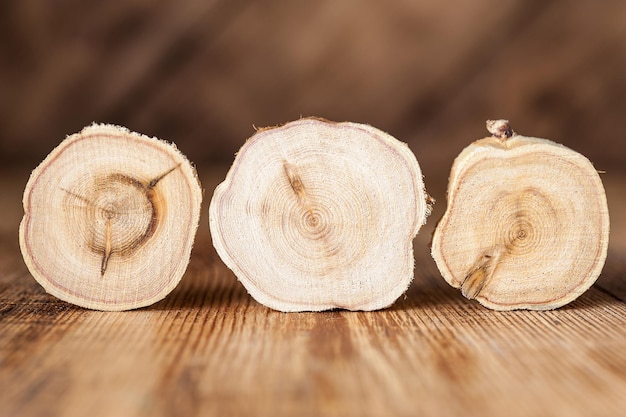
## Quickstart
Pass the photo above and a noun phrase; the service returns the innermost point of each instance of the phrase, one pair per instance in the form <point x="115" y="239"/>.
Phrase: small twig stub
<point x="500" y="128"/>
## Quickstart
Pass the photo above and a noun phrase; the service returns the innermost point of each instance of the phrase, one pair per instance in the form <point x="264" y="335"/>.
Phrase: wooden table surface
<point x="209" y="349"/>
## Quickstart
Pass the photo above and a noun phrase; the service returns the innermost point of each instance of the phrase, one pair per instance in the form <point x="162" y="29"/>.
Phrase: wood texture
<point x="315" y="215"/>
<point x="110" y="219"/>
<point x="526" y="224"/>
<point x="209" y="349"/>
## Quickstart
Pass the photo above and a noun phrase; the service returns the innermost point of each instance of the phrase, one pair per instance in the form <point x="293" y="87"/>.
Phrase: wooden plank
<point x="209" y="349"/>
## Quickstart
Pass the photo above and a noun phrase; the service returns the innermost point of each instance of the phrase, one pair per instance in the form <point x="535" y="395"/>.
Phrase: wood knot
<point x="294" y="180"/>
<point x="480" y="274"/>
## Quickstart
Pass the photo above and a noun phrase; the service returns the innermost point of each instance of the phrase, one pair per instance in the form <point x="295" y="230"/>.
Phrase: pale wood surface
<point x="526" y="224"/>
<point x="209" y="349"/>
<point x="110" y="219"/>
<point x="316" y="215"/>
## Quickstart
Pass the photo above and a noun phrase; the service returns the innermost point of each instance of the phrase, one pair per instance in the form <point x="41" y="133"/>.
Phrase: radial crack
<point x="78" y="196"/>
<point x="156" y="180"/>
<point x="108" y="247"/>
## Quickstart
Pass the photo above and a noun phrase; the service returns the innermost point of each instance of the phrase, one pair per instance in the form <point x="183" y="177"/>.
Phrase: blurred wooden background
<point x="202" y="73"/>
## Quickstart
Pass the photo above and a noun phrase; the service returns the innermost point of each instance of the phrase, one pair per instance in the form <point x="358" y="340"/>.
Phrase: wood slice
<point x="316" y="215"/>
<point x="110" y="218"/>
<point x="527" y="223"/>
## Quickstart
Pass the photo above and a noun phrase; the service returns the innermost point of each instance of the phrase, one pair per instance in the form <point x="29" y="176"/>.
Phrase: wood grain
<point x="110" y="218"/>
<point x="209" y="349"/>
<point x="316" y="215"/>
<point x="526" y="224"/>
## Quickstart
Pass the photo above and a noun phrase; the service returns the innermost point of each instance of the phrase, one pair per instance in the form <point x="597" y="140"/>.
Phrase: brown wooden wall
<point x="202" y="73"/>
